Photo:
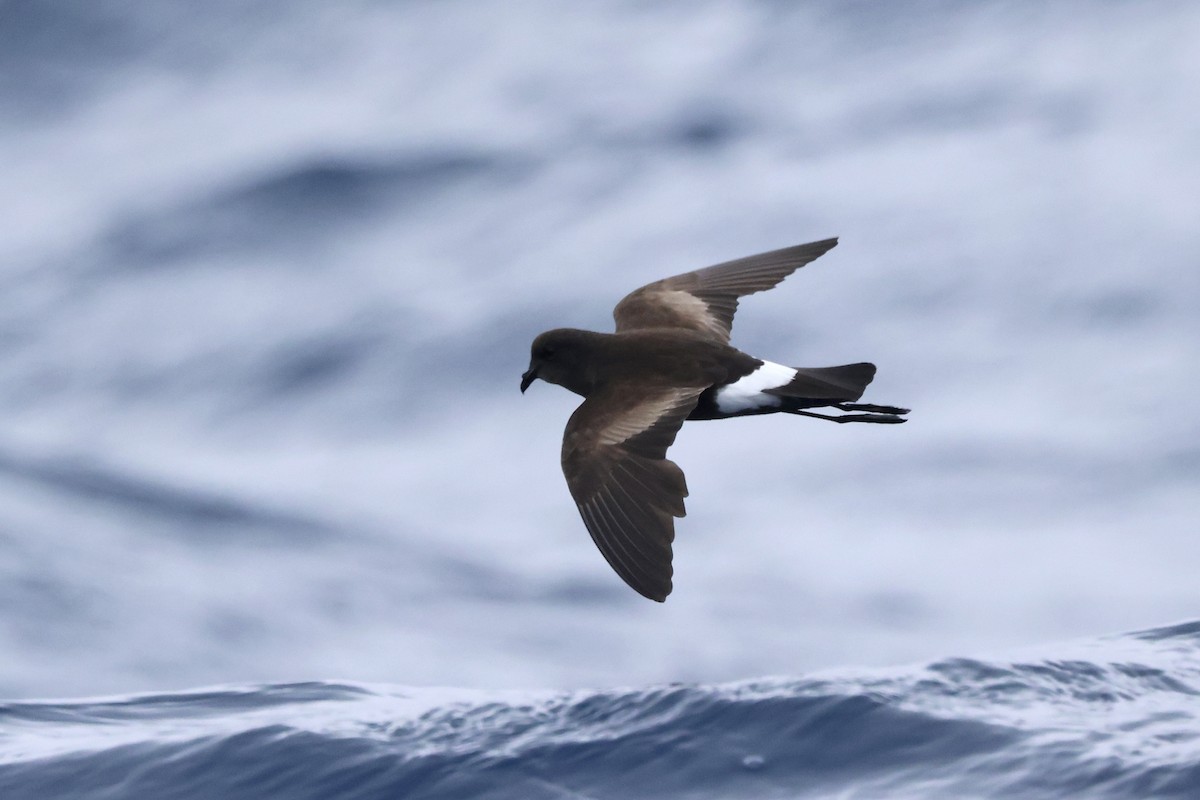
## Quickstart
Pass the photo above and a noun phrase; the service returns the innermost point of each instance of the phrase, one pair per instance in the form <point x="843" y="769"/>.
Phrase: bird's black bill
<point x="528" y="378"/>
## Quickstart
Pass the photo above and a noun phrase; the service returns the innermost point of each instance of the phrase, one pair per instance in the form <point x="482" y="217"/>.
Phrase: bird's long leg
<point x="883" y="419"/>
<point x="870" y="407"/>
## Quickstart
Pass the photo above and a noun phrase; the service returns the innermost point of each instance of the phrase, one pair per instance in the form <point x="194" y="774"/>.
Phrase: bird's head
<point x="559" y="356"/>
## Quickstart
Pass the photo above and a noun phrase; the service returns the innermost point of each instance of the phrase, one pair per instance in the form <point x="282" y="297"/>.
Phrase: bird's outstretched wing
<point x="705" y="300"/>
<point x="628" y="492"/>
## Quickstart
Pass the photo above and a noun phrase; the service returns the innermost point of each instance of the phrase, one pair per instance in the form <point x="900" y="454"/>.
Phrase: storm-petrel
<point x="670" y="360"/>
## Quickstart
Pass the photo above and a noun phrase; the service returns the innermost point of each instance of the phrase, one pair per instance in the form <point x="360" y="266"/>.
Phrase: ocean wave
<point x="1112" y="718"/>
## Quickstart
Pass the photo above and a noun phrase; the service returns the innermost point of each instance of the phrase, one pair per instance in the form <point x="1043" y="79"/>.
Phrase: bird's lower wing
<point x="628" y="492"/>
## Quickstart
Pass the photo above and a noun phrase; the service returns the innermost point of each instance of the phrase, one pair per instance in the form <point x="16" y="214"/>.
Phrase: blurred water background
<point x="269" y="272"/>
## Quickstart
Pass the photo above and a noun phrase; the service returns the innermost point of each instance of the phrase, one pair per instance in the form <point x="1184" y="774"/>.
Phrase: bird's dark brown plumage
<point x="669" y="361"/>
<point x="706" y="300"/>
<point x="628" y="492"/>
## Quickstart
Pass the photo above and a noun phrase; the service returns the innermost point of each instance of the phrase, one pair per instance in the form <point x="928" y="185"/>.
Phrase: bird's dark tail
<point x="835" y="387"/>
<point x="844" y="383"/>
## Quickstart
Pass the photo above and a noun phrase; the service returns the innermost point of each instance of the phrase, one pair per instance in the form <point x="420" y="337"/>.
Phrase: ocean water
<point x="1114" y="718"/>
<point x="268" y="277"/>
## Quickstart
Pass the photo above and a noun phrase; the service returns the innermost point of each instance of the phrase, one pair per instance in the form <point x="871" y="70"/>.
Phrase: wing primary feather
<point x="612" y="554"/>
<point x="600" y="528"/>
<point x="650" y="513"/>
<point x="673" y="495"/>
<point x="647" y="521"/>
<point x="617" y="537"/>
<point x="629" y="533"/>
<point x="635" y="570"/>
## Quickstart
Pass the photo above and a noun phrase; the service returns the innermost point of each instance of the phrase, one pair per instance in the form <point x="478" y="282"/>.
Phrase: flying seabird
<point x="668" y="361"/>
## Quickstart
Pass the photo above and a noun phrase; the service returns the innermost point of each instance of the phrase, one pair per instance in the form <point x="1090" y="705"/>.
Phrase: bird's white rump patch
<point x="747" y="393"/>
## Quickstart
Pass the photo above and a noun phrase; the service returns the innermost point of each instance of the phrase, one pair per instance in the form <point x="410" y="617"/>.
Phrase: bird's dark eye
<point x="545" y="352"/>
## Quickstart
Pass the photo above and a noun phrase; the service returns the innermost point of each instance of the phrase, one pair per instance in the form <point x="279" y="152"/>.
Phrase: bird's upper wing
<point x="628" y="492"/>
<point x="705" y="300"/>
